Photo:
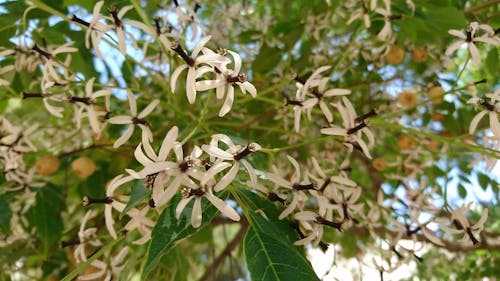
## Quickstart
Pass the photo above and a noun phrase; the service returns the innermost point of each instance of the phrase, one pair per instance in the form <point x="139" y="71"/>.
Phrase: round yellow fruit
<point x="419" y="55"/>
<point x="407" y="98"/>
<point x="83" y="167"/>
<point x="438" y="117"/>
<point x="405" y="142"/>
<point x="433" y="145"/>
<point x="379" y="164"/>
<point x="47" y="165"/>
<point x="436" y="95"/>
<point x="396" y="55"/>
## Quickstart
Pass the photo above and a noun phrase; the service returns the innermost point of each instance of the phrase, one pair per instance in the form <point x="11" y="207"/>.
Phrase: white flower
<point x="491" y="109"/>
<point x="186" y="167"/>
<point x="232" y="154"/>
<point x="386" y="31"/>
<point x="295" y="185"/>
<point x="133" y="119"/>
<point x="462" y="225"/>
<point x="196" y="214"/>
<point x="191" y="62"/>
<point x="87" y="104"/>
<point x="354" y="128"/>
<point x="152" y="162"/>
<point x="226" y="78"/>
<point x="141" y="222"/>
<point x="470" y="39"/>
<point x="111" y="202"/>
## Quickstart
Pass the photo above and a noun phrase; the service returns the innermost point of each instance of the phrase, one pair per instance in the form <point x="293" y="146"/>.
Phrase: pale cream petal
<point x="475" y="121"/>
<point x="214" y="170"/>
<point x="199" y="46"/>
<point x="196" y="215"/>
<point x="168" y="143"/>
<point x="224" y="208"/>
<point x="431" y="236"/>
<point x="125" y="137"/>
<point x="336" y="92"/>
<point x="227" y="178"/>
<point x="175" y="76"/>
<point x="228" y="103"/>
<point x="146" y="111"/>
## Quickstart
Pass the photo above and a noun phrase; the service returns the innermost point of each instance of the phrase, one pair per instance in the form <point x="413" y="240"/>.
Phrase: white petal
<point x="237" y="62"/>
<point x="228" y="103"/>
<point x="290" y="208"/>
<point x="120" y="120"/>
<point x="457" y="33"/>
<point x="126" y="135"/>
<point x="199" y="46"/>
<point x="175" y="76"/>
<point x="336" y="92"/>
<point x="278" y="180"/>
<point x="494" y="124"/>
<point x="227" y="178"/>
<point x="196" y="215"/>
<point x="214" y="170"/>
<point x="190" y="85"/>
<point x="474" y="53"/>
<point x="181" y="206"/>
<point x="306" y="216"/>
<point x="295" y="164"/>
<point x="453" y="47"/>
<point x="132" y="103"/>
<point x="343" y="180"/>
<point x="217" y="152"/>
<point x="326" y="111"/>
<point x="149" y="108"/>
<point x="248" y="87"/>
<point x="141" y="157"/>
<point x="431" y="236"/>
<point x="209" y="84"/>
<point x="334" y="131"/>
<point x="224" y="208"/>
<point x="168" y="143"/>
<point x="250" y="170"/>
<point x="475" y="121"/>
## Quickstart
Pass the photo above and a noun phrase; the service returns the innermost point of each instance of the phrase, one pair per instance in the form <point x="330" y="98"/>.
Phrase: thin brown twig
<point x="212" y="269"/>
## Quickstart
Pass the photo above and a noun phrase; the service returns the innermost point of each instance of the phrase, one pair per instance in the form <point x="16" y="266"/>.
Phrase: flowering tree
<point x="213" y="140"/>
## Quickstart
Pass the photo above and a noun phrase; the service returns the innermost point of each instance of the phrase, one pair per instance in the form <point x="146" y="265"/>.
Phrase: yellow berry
<point x="407" y="99"/>
<point x="379" y="164"/>
<point x="438" y="117"/>
<point x="83" y="167"/>
<point x="433" y="145"/>
<point x="419" y="55"/>
<point x="436" y="95"/>
<point x="47" y="165"/>
<point x="396" y="55"/>
<point x="405" y="142"/>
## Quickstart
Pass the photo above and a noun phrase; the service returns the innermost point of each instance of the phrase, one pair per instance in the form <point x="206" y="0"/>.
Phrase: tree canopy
<point x="222" y="140"/>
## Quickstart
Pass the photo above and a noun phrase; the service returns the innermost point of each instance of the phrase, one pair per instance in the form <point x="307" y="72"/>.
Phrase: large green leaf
<point x="45" y="215"/>
<point x="169" y="230"/>
<point x="269" y="250"/>
<point x="139" y="192"/>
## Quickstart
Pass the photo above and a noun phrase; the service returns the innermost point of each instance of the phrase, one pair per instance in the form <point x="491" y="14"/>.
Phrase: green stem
<point x="73" y="274"/>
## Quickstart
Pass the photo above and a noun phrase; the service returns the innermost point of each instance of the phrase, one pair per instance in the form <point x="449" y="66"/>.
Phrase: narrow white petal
<point x="214" y="170"/>
<point x="120" y="120"/>
<point x="209" y="84"/>
<point x="224" y="208"/>
<point x="326" y="111"/>
<point x="237" y="62"/>
<point x="124" y="138"/>
<point x="290" y="208"/>
<point x="475" y="121"/>
<point x="199" y="46"/>
<point x="250" y="170"/>
<point x="295" y="164"/>
<point x="334" y="131"/>
<point x="175" y="76"/>
<point x="196" y="215"/>
<point x="181" y="206"/>
<point x="217" y="152"/>
<point x="190" y="85"/>
<point x="227" y="178"/>
<point x="494" y="124"/>
<point x="149" y="108"/>
<point x="336" y="92"/>
<point x="343" y="180"/>
<point x="228" y="103"/>
<point x="132" y="103"/>
<point x="168" y="143"/>
<point x="431" y="236"/>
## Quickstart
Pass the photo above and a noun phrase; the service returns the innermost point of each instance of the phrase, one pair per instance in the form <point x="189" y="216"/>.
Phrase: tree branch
<point x="212" y="269"/>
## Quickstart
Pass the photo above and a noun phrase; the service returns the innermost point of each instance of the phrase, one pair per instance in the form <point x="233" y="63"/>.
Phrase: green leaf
<point x="170" y="230"/>
<point x="266" y="59"/>
<point x="45" y="216"/>
<point x="462" y="191"/>
<point x="268" y="245"/>
<point x="139" y="192"/>
<point x="484" y="180"/>
<point x="5" y="215"/>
